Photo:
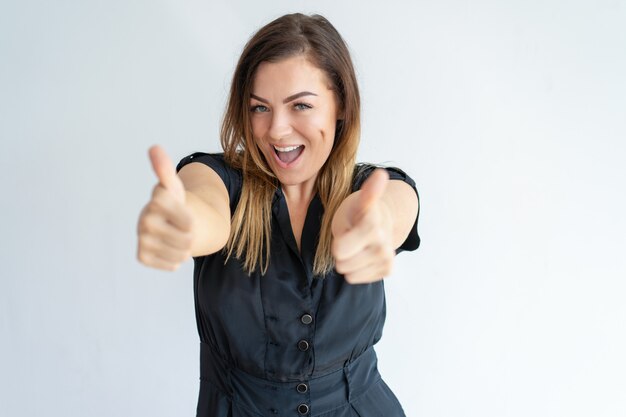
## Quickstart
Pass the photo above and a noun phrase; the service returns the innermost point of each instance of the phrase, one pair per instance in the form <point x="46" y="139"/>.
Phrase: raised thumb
<point x="372" y="189"/>
<point x="166" y="173"/>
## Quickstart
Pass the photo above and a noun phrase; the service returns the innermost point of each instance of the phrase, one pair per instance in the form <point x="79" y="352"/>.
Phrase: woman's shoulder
<point x="362" y="171"/>
<point x="215" y="160"/>
<point x="230" y="175"/>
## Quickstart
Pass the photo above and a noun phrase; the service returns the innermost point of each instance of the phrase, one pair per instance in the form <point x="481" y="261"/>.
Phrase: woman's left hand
<point x="362" y="233"/>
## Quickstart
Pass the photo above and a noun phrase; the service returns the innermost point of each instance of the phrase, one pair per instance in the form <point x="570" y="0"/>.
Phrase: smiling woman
<point x="308" y="54"/>
<point x="295" y="132"/>
<point x="285" y="153"/>
<point x="291" y="238"/>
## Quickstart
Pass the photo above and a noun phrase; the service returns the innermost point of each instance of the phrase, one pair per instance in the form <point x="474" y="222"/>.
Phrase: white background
<point x="509" y="115"/>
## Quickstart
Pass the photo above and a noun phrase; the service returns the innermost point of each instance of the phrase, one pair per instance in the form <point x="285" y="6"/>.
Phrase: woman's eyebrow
<point x="288" y="99"/>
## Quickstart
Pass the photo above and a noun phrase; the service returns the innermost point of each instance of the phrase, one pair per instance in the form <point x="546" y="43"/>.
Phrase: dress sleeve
<point x="363" y="171"/>
<point x="230" y="176"/>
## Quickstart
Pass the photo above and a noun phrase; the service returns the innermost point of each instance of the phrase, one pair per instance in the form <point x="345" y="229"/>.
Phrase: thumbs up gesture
<point x="362" y="233"/>
<point x="165" y="224"/>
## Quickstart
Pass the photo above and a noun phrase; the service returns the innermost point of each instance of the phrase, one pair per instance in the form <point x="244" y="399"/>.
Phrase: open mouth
<point x="288" y="154"/>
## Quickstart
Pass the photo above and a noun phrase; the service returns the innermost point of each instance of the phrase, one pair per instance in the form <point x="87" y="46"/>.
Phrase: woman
<point x="290" y="238"/>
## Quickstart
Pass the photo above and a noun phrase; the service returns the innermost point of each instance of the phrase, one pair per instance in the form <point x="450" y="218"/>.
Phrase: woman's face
<point x="293" y="115"/>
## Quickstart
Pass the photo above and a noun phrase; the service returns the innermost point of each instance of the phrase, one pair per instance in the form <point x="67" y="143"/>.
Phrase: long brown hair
<point x="316" y="39"/>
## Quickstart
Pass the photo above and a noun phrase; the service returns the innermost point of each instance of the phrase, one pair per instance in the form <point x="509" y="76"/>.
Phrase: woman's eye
<point x="258" y="109"/>
<point x="301" y="106"/>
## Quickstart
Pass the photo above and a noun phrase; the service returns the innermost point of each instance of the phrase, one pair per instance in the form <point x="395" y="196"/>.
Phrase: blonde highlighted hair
<point x="316" y="39"/>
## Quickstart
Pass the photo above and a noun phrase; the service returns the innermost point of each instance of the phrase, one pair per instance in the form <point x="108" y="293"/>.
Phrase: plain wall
<point x="509" y="115"/>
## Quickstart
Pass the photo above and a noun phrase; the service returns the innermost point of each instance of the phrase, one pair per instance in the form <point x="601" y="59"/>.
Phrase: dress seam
<point x="352" y="401"/>
<point x="267" y="337"/>
<point x="230" y="398"/>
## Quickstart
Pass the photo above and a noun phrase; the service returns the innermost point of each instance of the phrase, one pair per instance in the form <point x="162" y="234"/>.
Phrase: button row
<point x="303" y="345"/>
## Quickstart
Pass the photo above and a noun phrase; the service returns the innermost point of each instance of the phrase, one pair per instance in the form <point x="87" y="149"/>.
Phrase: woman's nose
<point x="281" y="126"/>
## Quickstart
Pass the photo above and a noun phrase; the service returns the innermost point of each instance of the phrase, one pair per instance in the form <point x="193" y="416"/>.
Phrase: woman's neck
<point x="299" y="195"/>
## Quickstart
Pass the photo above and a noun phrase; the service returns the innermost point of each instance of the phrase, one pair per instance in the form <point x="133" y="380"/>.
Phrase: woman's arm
<point x="370" y="225"/>
<point x="207" y="198"/>
<point x="402" y="205"/>
<point x="187" y="215"/>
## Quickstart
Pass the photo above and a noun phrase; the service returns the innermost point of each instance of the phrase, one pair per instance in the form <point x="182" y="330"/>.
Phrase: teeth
<point x="286" y="149"/>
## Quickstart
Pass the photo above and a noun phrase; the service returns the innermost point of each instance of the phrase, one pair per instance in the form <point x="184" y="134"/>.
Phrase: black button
<point x="303" y="409"/>
<point x="306" y="319"/>
<point x="302" y="388"/>
<point x="303" y="345"/>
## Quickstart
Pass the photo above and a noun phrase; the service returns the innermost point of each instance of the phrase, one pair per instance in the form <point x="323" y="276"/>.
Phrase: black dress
<point x="288" y="343"/>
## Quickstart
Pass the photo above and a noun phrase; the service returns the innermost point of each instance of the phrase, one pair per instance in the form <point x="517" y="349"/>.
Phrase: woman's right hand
<point x="165" y="224"/>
